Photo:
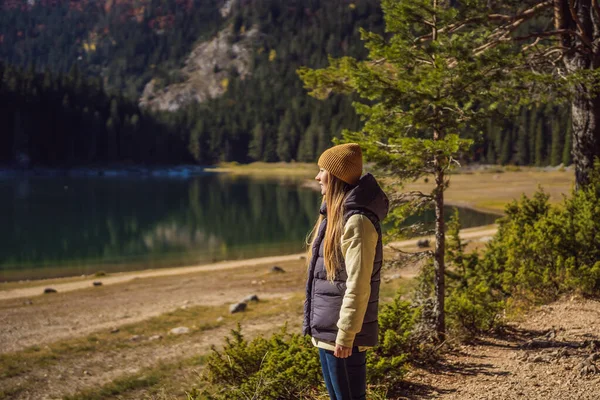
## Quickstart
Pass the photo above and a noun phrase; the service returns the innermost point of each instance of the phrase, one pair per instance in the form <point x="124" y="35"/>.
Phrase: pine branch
<point x="505" y="38"/>
<point x="531" y="45"/>
<point x="546" y="34"/>
<point x="424" y="61"/>
<point x="417" y="255"/>
<point x="596" y="8"/>
<point x="502" y="33"/>
<point x="516" y="19"/>
<point x="583" y="36"/>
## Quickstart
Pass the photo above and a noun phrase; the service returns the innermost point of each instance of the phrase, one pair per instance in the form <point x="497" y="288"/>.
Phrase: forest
<point x="72" y="73"/>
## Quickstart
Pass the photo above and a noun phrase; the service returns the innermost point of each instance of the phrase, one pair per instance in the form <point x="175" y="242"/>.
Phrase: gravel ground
<point x="552" y="353"/>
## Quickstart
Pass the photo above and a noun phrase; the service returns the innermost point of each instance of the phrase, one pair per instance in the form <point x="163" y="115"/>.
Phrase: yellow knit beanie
<point x="343" y="161"/>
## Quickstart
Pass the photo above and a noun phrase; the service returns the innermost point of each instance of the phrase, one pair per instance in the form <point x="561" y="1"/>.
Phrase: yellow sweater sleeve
<point x="359" y="243"/>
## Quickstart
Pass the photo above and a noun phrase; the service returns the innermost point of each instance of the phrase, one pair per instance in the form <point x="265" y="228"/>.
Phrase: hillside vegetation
<point x="224" y="71"/>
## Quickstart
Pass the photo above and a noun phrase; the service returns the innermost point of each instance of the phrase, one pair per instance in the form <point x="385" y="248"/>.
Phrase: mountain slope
<point x="125" y="42"/>
<point x="206" y="72"/>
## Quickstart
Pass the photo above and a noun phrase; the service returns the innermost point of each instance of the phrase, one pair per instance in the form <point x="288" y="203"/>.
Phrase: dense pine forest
<point x="124" y="42"/>
<point x="67" y="120"/>
<point x="72" y="73"/>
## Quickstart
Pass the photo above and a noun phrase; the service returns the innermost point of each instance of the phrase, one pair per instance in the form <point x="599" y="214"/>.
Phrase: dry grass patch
<point x="174" y="377"/>
<point x="198" y="319"/>
<point x="493" y="189"/>
<point x="260" y="169"/>
<point x="170" y="381"/>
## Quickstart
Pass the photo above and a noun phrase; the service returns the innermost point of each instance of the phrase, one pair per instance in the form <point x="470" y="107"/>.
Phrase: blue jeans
<point x="345" y="378"/>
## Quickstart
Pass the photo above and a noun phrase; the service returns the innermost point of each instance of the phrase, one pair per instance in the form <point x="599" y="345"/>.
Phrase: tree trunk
<point x="585" y="110"/>
<point x="582" y="17"/>
<point x="438" y="259"/>
<point x="440" y="235"/>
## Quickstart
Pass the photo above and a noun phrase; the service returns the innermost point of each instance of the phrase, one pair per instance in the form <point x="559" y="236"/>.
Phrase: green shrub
<point x="579" y="245"/>
<point x="472" y="306"/>
<point x="542" y="251"/>
<point x="281" y="367"/>
<point x="386" y="363"/>
<point x="287" y="366"/>
<point x="473" y="309"/>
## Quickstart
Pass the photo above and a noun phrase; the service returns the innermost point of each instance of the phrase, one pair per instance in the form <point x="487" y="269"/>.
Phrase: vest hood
<point x="365" y="195"/>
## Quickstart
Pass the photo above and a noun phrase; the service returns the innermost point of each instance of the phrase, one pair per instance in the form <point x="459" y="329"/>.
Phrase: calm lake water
<point x="66" y="226"/>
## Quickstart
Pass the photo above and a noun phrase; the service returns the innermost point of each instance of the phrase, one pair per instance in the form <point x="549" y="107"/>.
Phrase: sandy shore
<point x="121" y="277"/>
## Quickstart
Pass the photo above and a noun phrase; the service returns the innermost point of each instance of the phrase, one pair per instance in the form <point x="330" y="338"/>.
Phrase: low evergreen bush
<point x="286" y="366"/>
<point x="472" y="306"/>
<point x="473" y="309"/>
<point x="540" y="252"/>
<point x="281" y="367"/>
<point x="386" y="363"/>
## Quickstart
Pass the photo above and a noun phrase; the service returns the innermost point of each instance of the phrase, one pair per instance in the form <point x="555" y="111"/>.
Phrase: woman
<point x="345" y="256"/>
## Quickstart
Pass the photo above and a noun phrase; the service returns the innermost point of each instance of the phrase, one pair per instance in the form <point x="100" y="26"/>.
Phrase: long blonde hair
<point x="332" y="252"/>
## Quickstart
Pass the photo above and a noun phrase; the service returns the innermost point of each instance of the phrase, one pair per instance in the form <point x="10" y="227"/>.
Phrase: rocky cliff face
<point x="206" y="71"/>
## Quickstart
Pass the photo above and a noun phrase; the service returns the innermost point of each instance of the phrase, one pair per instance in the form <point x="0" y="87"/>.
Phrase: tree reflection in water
<point x="67" y="226"/>
<point x="61" y="226"/>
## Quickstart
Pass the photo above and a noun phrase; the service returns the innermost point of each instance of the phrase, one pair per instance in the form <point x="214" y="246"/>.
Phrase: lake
<point x="65" y="226"/>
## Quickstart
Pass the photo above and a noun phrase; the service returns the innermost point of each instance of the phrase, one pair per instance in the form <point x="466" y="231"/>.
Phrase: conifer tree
<point x="506" y="149"/>
<point x="421" y="86"/>
<point x="560" y="62"/>
<point x="286" y="135"/>
<point x="567" y="155"/>
<point x="558" y="143"/>
<point x="522" y="157"/>
<point x="540" y="143"/>
<point x="532" y="119"/>
<point x="490" y="155"/>
<point x="257" y="145"/>
<point x="270" y="150"/>
<point x="307" y="146"/>
<point x="194" y="140"/>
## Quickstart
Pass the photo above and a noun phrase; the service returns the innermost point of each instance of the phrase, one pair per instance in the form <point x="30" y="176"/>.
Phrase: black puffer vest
<point x="324" y="298"/>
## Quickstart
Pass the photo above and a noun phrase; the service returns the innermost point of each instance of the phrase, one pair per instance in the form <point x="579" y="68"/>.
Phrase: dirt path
<point x="481" y="233"/>
<point x="541" y="357"/>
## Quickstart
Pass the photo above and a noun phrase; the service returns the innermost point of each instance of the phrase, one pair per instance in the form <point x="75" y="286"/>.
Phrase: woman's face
<point x="323" y="178"/>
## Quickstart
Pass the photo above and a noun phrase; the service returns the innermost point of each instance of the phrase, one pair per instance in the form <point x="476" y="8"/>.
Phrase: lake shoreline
<point x="77" y="341"/>
<point x="107" y="171"/>
<point x="280" y="169"/>
<point x="84" y="337"/>
<point x="35" y="287"/>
